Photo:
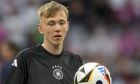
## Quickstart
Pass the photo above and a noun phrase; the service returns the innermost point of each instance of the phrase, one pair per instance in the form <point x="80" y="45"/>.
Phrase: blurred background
<point x="104" y="31"/>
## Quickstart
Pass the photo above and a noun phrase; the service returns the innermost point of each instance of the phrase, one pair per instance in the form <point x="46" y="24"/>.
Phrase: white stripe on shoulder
<point x="14" y="63"/>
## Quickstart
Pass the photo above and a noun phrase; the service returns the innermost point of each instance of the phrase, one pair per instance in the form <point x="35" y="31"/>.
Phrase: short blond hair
<point x="50" y="9"/>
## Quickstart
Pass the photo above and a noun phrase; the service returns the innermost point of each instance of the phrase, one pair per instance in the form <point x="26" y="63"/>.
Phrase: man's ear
<point x="67" y="25"/>
<point x="40" y="29"/>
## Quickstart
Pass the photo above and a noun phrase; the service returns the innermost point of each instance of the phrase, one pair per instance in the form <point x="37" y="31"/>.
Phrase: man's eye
<point x="50" y="24"/>
<point x="62" y="23"/>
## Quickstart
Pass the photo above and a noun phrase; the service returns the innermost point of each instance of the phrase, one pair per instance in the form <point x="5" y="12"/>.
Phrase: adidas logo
<point x="14" y="63"/>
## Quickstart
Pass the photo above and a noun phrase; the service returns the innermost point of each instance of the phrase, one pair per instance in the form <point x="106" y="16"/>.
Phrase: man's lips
<point x="57" y="35"/>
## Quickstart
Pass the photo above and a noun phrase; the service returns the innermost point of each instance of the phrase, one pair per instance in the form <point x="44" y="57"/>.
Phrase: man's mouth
<point x="58" y="36"/>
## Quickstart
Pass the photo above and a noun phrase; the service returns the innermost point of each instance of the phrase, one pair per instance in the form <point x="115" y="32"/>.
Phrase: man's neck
<point x="54" y="49"/>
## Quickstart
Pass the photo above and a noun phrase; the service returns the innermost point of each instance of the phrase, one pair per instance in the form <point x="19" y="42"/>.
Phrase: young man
<point x="47" y="63"/>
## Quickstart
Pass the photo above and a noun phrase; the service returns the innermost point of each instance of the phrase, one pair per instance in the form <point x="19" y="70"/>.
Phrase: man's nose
<point x="57" y="28"/>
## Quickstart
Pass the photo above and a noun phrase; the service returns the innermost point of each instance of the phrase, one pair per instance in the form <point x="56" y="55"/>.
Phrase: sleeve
<point x="18" y="72"/>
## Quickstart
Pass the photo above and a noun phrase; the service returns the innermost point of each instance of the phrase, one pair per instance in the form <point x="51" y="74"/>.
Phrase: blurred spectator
<point x="128" y="44"/>
<point x="3" y="33"/>
<point x="77" y="11"/>
<point x="8" y="52"/>
<point x="123" y="10"/>
<point x="20" y="22"/>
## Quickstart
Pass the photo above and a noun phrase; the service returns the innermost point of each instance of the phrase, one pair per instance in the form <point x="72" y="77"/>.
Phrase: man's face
<point x="55" y="28"/>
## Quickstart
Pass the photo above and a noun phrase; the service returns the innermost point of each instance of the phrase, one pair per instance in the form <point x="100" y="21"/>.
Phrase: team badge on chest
<point x="57" y="72"/>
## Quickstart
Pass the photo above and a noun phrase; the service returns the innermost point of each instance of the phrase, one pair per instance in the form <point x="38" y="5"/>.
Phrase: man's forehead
<point x="56" y="19"/>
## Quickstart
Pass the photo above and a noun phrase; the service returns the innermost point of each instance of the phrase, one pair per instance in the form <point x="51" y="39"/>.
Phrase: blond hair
<point x="50" y="9"/>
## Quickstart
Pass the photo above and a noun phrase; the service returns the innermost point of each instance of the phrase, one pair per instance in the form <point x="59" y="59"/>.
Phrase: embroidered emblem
<point x="57" y="72"/>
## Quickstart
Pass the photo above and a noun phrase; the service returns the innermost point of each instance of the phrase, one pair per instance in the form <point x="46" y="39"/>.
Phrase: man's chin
<point x="57" y="43"/>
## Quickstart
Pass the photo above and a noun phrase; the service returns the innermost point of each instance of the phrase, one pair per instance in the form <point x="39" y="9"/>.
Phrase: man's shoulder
<point x="28" y="51"/>
<point x="71" y="54"/>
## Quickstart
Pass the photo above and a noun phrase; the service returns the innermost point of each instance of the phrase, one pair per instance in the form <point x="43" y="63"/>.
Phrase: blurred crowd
<point x="104" y="31"/>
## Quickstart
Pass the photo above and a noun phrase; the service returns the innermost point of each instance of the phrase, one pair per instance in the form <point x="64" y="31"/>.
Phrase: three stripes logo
<point x="14" y="63"/>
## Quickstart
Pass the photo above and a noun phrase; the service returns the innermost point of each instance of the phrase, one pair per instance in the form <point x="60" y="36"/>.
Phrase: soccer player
<point x="47" y="63"/>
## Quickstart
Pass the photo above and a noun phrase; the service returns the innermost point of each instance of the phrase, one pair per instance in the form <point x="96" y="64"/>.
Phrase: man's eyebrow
<point x="62" y="20"/>
<point x="50" y="21"/>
